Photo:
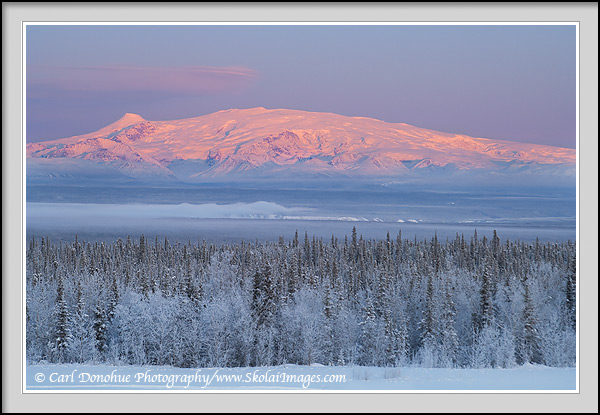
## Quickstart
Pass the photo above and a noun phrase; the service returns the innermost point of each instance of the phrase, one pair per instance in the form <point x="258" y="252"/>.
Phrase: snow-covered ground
<point x="301" y="378"/>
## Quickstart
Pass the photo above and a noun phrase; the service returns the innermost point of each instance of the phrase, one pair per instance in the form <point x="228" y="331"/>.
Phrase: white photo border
<point x="13" y="166"/>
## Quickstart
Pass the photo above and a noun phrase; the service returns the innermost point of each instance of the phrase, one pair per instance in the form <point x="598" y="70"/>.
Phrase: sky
<point x="509" y="82"/>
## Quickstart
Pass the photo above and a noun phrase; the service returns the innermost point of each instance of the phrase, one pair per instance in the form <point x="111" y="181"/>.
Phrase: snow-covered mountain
<point x="259" y="142"/>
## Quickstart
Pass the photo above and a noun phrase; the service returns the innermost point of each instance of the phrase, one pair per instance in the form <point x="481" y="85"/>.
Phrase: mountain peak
<point x="130" y="118"/>
<point x="125" y="121"/>
<point x="253" y="110"/>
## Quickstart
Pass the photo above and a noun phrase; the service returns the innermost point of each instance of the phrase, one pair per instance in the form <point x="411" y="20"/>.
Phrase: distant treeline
<point x="473" y="302"/>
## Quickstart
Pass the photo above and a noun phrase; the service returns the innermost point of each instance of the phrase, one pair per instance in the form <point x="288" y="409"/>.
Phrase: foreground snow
<point x="293" y="377"/>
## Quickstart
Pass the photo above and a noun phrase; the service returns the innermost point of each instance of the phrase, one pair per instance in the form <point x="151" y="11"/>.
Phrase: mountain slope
<point x="264" y="142"/>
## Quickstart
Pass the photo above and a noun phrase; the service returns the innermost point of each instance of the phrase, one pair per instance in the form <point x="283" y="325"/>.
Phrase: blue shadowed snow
<point x="234" y="213"/>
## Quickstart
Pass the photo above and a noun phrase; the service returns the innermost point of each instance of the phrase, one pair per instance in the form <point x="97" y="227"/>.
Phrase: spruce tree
<point x="532" y="342"/>
<point x="571" y="294"/>
<point x="368" y="334"/>
<point x="101" y="329"/>
<point x="62" y="330"/>
<point x="428" y="325"/>
<point x="485" y="316"/>
<point x="449" y="341"/>
<point x="263" y="297"/>
<point x="82" y="346"/>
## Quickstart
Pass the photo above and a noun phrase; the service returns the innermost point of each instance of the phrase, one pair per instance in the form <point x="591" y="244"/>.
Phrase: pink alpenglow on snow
<point x="245" y="140"/>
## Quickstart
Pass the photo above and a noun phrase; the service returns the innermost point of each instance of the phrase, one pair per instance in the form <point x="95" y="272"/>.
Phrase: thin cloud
<point x="185" y="80"/>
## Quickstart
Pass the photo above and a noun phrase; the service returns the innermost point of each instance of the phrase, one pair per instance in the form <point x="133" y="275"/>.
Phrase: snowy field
<point x="230" y="214"/>
<point x="297" y="378"/>
<point x="262" y="221"/>
<point x="250" y="230"/>
<point x="439" y="205"/>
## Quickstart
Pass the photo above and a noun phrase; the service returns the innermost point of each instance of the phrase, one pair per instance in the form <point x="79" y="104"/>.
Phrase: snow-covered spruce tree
<point x="62" y="337"/>
<point x="370" y="347"/>
<point x="531" y="347"/>
<point x="571" y="294"/>
<point x="430" y="334"/>
<point x="113" y="297"/>
<point x="485" y="331"/>
<point x="191" y="287"/>
<point x="394" y="339"/>
<point x="264" y="307"/>
<point x="327" y="330"/>
<point x="485" y="315"/>
<point x="100" y="327"/>
<point x="263" y="296"/>
<point x="449" y="337"/>
<point x="82" y="346"/>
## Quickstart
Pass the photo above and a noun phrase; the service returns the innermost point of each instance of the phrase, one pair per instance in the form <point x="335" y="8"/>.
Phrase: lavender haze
<point x="502" y="82"/>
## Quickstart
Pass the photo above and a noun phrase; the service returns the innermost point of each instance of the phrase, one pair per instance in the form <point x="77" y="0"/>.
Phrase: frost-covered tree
<point x="384" y="302"/>
<point x="571" y="293"/>
<point x="484" y="315"/>
<point x="449" y="337"/>
<point x="429" y="327"/>
<point x="62" y="337"/>
<point x="82" y="347"/>
<point x="100" y="327"/>
<point x="532" y="341"/>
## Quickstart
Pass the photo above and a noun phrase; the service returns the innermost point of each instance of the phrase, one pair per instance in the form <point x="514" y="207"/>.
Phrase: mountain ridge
<point x="262" y="142"/>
